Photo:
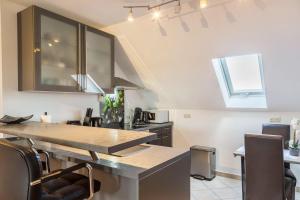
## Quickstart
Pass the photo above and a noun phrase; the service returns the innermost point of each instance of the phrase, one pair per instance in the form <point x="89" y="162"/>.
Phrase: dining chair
<point x="22" y="179"/>
<point x="264" y="169"/>
<point x="284" y="131"/>
<point x="278" y="129"/>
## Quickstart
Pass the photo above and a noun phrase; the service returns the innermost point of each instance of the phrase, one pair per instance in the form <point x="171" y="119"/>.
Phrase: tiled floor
<point x="219" y="189"/>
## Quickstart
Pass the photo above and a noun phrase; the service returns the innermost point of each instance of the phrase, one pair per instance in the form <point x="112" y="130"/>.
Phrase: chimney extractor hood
<point x="121" y="83"/>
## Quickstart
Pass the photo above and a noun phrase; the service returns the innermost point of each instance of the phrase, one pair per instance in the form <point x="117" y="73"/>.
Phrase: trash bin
<point x="203" y="162"/>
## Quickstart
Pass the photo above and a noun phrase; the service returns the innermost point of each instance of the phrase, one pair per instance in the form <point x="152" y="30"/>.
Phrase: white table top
<point x="286" y="156"/>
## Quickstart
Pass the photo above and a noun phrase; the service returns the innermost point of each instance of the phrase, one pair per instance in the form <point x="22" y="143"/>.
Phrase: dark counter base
<point x="171" y="182"/>
<point x="164" y="133"/>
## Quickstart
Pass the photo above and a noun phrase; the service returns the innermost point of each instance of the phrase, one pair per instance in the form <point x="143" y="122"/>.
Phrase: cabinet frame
<point x="38" y="12"/>
<point x="84" y="29"/>
<point x="29" y="52"/>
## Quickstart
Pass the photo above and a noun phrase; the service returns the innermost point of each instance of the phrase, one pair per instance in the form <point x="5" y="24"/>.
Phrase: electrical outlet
<point x="275" y="119"/>
<point x="187" y="116"/>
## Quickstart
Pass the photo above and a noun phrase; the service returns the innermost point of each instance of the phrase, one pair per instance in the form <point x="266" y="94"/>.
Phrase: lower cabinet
<point x="164" y="136"/>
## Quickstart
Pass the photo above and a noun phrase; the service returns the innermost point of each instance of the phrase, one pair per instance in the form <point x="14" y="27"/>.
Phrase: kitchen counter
<point x="100" y="140"/>
<point x="127" y="169"/>
<point x="148" y="126"/>
<point x="135" y="162"/>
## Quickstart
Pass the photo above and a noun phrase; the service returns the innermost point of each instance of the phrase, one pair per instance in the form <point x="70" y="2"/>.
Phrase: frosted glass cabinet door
<point x="58" y="59"/>
<point x="99" y="60"/>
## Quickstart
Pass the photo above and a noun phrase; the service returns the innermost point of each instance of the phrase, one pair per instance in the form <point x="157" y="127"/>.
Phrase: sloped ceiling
<point x="173" y="57"/>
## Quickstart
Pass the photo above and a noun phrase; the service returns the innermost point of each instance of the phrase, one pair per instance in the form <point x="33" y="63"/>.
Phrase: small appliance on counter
<point x="137" y="117"/>
<point x="88" y="117"/>
<point x="159" y="116"/>
<point x="147" y="116"/>
<point x="142" y="118"/>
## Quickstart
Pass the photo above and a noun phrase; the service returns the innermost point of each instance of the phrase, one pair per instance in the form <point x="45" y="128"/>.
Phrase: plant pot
<point x="294" y="152"/>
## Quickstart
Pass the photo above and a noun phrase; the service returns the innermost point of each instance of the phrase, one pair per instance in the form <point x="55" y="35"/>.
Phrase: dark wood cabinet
<point x="97" y="59"/>
<point x="164" y="136"/>
<point x="59" y="54"/>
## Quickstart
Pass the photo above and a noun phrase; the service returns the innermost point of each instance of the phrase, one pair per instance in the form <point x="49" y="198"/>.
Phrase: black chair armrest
<point x="47" y="157"/>
<point x="60" y="173"/>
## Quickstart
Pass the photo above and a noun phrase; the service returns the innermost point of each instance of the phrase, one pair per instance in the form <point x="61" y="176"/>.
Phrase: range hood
<point x="91" y="85"/>
<point x="121" y="83"/>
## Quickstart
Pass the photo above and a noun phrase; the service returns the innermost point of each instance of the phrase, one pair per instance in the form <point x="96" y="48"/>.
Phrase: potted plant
<point x="113" y="110"/>
<point x="294" y="144"/>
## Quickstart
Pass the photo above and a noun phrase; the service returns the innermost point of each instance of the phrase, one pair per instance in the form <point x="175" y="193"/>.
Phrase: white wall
<point x="62" y="107"/>
<point x="221" y="129"/>
<point x="173" y="60"/>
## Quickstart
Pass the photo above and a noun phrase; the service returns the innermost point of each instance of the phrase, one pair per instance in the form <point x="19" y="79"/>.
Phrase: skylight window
<point x="243" y="74"/>
<point x="241" y="81"/>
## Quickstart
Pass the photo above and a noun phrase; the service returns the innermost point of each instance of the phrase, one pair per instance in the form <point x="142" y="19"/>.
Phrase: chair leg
<point x="293" y="193"/>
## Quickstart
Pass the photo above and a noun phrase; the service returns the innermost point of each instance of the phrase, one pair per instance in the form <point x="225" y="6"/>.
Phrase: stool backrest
<point x="18" y="167"/>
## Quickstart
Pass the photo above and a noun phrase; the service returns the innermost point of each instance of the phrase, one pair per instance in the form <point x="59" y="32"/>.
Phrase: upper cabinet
<point x="60" y="54"/>
<point x="98" y="59"/>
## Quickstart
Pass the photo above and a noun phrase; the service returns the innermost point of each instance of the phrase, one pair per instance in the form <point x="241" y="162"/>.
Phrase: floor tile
<point x="226" y="193"/>
<point x="215" y="184"/>
<point x="220" y="188"/>
<point x="205" y="195"/>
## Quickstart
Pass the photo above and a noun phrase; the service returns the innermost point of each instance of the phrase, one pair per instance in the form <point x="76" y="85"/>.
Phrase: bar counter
<point x="128" y="168"/>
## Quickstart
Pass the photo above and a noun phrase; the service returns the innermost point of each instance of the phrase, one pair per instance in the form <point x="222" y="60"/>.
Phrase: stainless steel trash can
<point x="203" y="162"/>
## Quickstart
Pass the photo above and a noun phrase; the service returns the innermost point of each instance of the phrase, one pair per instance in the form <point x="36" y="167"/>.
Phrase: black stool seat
<point x="68" y="187"/>
<point x="22" y="177"/>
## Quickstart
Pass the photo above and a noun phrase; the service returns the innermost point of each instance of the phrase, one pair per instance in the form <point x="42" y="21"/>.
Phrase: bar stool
<point x="21" y="177"/>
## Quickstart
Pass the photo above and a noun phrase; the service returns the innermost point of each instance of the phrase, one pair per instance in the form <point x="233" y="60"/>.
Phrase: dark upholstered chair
<point x="284" y="131"/>
<point x="21" y="177"/>
<point x="278" y="129"/>
<point x="264" y="166"/>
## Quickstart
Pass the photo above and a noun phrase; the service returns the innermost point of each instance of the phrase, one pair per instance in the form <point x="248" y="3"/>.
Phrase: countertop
<point x="71" y="143"/>
<point x="100" y="140"/>
<point x="135" y="162"/>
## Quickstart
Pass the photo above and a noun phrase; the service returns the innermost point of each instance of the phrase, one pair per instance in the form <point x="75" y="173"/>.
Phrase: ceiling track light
<point x="203" y="3"/>
<point x="130" y="17"/>
<point x="156" y="9"/>
<point x="156" y="14"/>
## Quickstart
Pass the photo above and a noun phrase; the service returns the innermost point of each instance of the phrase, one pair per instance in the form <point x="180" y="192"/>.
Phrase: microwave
<point x="160" y="116"/>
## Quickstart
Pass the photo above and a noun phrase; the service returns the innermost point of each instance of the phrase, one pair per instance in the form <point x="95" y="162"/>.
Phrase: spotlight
<point x="156" y="14"/>
<point x="130" y="17"/>
<point x="203" y="3"/>
<point x="50" y="44"/>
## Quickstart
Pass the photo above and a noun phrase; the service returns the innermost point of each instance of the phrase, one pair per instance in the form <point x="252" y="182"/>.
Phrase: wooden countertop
<point x="100" y="140"/>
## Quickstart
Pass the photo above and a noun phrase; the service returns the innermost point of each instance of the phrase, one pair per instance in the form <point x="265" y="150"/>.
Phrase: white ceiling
<point x="94" y="12"/>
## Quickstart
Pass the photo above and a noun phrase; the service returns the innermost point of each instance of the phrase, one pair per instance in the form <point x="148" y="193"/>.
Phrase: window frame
<point x="228" y="82"/>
